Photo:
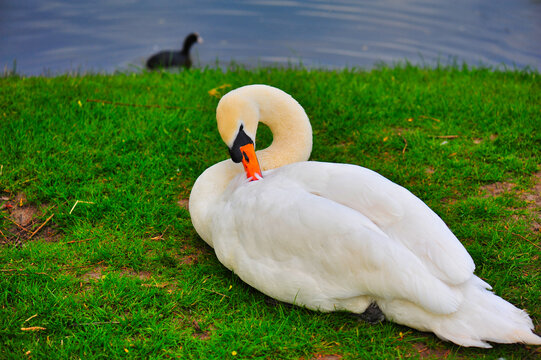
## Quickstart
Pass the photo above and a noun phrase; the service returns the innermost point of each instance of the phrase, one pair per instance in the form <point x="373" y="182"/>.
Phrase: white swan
<point x="336" y="236"/>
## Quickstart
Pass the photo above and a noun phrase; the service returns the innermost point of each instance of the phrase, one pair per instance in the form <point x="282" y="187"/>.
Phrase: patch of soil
<point x="184" y="203"/>
<point x="200" y="333"/>
<point x="190" y="255"/>
<point x="97" y="274"/>
<point x="23" y="215"/>
<point x="448" y="200"/>
<point x="187" y="320"/>
<point x="188" y="259"/>
<point x="142" y="275"/>
<point x="29" y="222"/>
<point x="94" y="274"/>
<point x="478" y="141"/>
<point x="531" y="196"/>
<point x="326" y="357"/>
<point x="424" y="352"/>
<point x="497" y="188"/>
<point x="429" y="170"/>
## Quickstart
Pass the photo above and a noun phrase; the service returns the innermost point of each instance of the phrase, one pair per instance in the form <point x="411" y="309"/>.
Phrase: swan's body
<point x="339" y="237"/>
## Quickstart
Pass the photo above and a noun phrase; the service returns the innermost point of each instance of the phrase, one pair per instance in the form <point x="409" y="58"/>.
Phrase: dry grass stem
<point x="215" y="292"/>
<point x="31" y="317"/>
<point x="531" y="242"/>
<point x="159" y="237"/>
<point x="18" y="225"/>
<point x="446" y="136"/>
<point x="42" y="225"/>
<point x="33" y="328"/>
<point x="80" y="201"/>
<point x="78" y="241"/>
<point x="405" y="143"/>
<point x="429" y="117"/>
<point x="5" y="237"/>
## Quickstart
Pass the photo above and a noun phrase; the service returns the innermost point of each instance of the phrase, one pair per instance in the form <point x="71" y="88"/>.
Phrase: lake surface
<point x="53" y="37"/>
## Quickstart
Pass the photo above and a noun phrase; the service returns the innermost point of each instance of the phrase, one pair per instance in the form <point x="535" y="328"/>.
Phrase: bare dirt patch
<point x="141" y="275"/>
<point x="532" y="197"/>
<point x="26" y="221"/>
<point x="497" y="188"/>
<point x="190" y="255"/>
<point x="326" y="357"/>
<point x="429" y="170"/>
<point x="184" y="203"/>
<point x="202" y="334"/>
<point x="186" y="319"/>
<point x="187" y="259"/>
<point x="98" y="272"/>
<point x="94" y="274"/>
<point x="424" y="352"/>
<point x="450" y="201"/>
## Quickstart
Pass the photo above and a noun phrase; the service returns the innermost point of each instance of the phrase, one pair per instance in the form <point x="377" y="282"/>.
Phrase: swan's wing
<point x="302" y="248"/>
<point x="395" y="210"/>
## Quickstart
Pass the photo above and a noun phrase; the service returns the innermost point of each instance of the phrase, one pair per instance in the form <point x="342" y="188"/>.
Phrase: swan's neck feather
<point x="206" y="192"/>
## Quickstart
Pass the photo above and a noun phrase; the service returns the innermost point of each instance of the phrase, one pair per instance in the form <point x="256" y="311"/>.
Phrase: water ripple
<point x="59" y="35"/>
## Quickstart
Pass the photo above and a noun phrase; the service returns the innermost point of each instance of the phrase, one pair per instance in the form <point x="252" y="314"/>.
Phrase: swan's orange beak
<point x="249" y="160"/>
<point x="243" y="150"/>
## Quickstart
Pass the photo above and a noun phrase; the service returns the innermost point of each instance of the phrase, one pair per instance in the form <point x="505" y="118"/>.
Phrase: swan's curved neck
<point x="289" y="124"/>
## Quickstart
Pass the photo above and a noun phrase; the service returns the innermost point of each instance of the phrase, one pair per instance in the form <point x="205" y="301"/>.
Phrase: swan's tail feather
<point x="483" y="317"/>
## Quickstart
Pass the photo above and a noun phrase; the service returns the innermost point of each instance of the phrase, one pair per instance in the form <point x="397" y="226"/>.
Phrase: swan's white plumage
<point x="338" y="236"/>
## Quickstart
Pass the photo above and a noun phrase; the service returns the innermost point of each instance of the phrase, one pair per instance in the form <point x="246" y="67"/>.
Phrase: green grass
<point x="124" y="274"/>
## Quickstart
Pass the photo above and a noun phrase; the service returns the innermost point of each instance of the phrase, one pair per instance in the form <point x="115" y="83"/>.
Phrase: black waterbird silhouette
<point x="169" y="58"/>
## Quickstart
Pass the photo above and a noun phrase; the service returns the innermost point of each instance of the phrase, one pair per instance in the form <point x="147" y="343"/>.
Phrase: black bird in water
<point x="170" y="58"/>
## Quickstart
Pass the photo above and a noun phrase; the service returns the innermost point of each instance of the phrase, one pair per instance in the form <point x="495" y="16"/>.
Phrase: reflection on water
<point x="48" y="36"/>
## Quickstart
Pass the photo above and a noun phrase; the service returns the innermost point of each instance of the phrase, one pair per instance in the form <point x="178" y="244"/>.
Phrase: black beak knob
<point x="241" y="140"/>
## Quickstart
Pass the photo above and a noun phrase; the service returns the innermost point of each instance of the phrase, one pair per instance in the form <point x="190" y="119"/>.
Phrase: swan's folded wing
<point x="302" y="248"/>
<point x="395" y="210"/>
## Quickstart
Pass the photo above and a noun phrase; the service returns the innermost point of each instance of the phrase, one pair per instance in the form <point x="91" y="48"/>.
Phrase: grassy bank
<point x="98" y="258"/>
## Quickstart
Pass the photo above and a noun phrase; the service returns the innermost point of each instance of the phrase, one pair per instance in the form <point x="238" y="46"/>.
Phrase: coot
<point x="170" y="58"/>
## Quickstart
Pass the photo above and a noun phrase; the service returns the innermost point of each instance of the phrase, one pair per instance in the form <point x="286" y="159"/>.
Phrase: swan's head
<point x="239" y="113"/>
<point x="238" y="117"/>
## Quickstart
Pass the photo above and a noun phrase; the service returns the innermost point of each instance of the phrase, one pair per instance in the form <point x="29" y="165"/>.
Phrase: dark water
<point x="52" y="37"/>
